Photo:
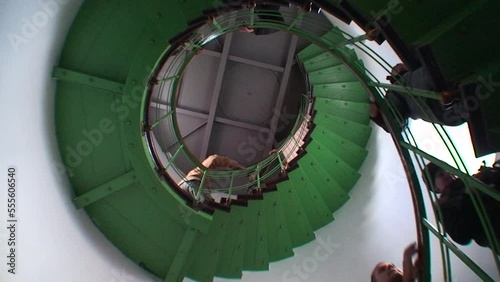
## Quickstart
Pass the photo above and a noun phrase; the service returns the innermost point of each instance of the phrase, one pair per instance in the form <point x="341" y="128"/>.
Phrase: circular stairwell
<point x="105" y="68"/>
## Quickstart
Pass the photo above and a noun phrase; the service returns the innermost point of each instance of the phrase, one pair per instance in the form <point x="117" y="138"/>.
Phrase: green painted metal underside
<point x="108" y="55"/>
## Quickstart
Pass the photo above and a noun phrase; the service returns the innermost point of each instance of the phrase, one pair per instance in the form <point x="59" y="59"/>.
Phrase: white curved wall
<point x="56" y="242"/>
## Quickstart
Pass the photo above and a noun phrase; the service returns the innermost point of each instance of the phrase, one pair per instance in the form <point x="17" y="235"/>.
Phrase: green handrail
<point x="404" y="139"/>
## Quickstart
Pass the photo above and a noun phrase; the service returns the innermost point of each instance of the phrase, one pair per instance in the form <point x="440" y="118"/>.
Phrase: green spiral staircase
<point x="106" y="77"/>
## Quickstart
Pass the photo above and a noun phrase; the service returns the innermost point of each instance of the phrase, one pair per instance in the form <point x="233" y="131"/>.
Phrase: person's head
<point x="386" y="272"/>
<point x="437" y="179"/>
<point x="397" y="70"/>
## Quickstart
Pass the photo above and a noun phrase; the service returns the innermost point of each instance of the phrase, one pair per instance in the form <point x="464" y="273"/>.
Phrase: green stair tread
<point x="354" y="111"/>
<point x="208" y="245"/>
<point x="255" y="252"/>
<point x="340" y="73"/>
<point x="333" y="195"/>
<point x="320" y="62"/>
<point x="343" y="174"/>
<point x="299" y="227"/>
<point x="345" y="91"/>
<point x="279" y="245"/>
<point x="356" y="133"/>
<point x="316" y="209"/>
<point x="230" y="264"/>
<point x="312" y="50"/>
<point x="349" y="152"/>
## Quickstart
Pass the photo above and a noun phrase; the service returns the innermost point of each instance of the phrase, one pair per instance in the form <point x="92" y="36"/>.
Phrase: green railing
<point x="162" y="123"/>
<point x="412" y="153"/>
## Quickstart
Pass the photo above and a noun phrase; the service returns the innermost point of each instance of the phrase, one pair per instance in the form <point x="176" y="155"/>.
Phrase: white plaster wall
<point x="55" y="242"/>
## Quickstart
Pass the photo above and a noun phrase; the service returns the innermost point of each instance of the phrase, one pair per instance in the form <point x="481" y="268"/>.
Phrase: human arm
<point x="410" y="266"/>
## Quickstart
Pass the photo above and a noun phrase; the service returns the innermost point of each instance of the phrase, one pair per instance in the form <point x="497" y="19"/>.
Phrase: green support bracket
<point x="353" y="40"/>
<point x="407" y="90"/>
<point x="104" y="190"/>
<point x="156" y="123"/>
<point x="252" y="16"/>
<point x="463" y="257"/>
<point x="449" y="23"/>
<point x="169" y="78"/>
<point x="87" y="80"/>
<point x="174" y="156"/>
<point x="193" y="45"/>
<point x="217" y="25"/>
<point x="297" y="19"/>
<point x="182" y="255"/>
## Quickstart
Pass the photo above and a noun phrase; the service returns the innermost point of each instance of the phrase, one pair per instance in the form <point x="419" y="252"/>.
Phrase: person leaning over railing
<point x="388" y="272"/>
<point x="459" y="216"/>
<point x="445" y="111"/>
<point x="191" y="183"/>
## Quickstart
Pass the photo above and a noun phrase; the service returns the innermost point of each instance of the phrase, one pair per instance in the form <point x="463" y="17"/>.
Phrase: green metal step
<point x="335" y="74"/>
<point x="352" y="131"/>
<point x="349" y="152"/>
<point x="208" y="245"/>
<point x="345" y="91"/>
<point x="317" y="211"/>
<point x="299" y="227"/>
<point x="320" y="62"/>
<point x="230" y="263"/>
<point x="279" y="245"/>
<point x="353" y="111"/>
<point x="331" y="192"/>
<point x="344" y="175"/>
<point x="255" y="251"/>
<point x="312" y="50"/>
